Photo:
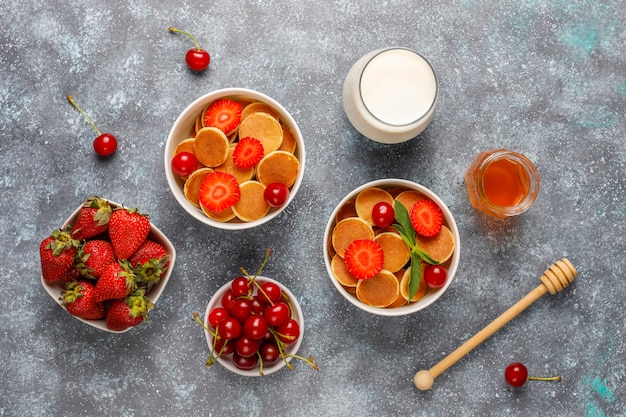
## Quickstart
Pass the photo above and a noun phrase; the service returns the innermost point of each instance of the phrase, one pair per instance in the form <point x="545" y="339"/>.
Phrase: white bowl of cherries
<point x="254" y="326"/>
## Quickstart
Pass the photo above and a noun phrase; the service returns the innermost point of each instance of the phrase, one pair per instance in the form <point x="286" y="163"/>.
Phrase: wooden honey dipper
<point x="556" y="278"/>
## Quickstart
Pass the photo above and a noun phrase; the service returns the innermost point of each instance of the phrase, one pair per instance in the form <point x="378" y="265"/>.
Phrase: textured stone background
<point x="543" y="77"/>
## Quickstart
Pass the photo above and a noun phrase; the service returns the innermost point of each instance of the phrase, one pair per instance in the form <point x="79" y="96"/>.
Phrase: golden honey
<point x="502" y="183"/>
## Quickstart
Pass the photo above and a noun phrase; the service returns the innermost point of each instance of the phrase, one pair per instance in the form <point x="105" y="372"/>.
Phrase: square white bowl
<point x="55" y="289"/>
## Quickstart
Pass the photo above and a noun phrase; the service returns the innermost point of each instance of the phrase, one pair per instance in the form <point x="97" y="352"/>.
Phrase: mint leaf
<point x="404" y="226"/>
<point x="416" y="272"/>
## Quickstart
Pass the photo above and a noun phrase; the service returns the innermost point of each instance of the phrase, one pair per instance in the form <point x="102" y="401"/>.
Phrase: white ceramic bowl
<point x="55" y="289"/>
<point x="180" y="131"/>
<point x="227" y="361"/>
<point x="451" y="264"/>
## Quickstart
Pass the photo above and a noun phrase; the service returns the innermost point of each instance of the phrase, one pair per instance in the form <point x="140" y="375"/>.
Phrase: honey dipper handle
<point x="488" y="330"/>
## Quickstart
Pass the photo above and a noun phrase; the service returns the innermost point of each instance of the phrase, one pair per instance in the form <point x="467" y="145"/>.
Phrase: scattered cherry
<point x="516" y="375"/>
<point x="197" y="58"/>
<point x="105" y="144"/>
<point x="183" y="163"/>
<point x="383" y="214"/>
<point x="276" y="194"/>
<point x="435" y="276"/>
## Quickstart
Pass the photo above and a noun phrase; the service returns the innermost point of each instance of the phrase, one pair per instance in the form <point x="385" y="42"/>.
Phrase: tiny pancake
<point x="264" y="128"/>
<point x="409" y="198"/>
<point x="422" y="289"/>
<point x="211" y="146"/>
<point x="222" y="216"/>
<point x="351" y="290"/>
<point x="278" y="166"/>
<point x="289" y="140"/>
<point x="257" y="106"/>
<point x="251" y="204"/>
<point x="396" y="252"/>
<point x="229" y="166"/>
<point x="340" y="271"/>
<point x="192" y="185"/>
<point x="201" y="117"/>
<point x="345" y="211"/>
<point x="439" y="247"/>
<point x="187" y="146"/>
<point x="400" y="301"/>
<point x="347" y="231"/>
<point x="378" y="291"/>
<point x="367" y="199"/>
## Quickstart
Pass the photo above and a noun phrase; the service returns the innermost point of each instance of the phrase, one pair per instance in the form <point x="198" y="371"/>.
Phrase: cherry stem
<point x="551" y="378"/>
<point x="174" y="30"/>
<point x="71" y="100"/>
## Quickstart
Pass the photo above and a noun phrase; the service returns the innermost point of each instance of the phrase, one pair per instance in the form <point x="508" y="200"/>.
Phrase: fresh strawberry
<point x="218" y="191"/>
<point x="426" y="218"/>
<point x="223" y="114"/>
<point x="117" y="281"/>
<point x="128" y="312"/>
<point x="93" y="256"/>
<point x="93" y="218"/>
<point x="150" y="262"/>
<point x="57" y="253"/>
<point x="364" y="258"/>
<point x="77" y="298"/>
<point x="248" y="152"/>
<point x="128" y="229"/>
<point x="72" y="274"/>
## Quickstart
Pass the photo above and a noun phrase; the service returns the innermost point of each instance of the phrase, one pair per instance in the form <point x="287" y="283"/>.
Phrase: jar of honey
<point x="502" y="183"/>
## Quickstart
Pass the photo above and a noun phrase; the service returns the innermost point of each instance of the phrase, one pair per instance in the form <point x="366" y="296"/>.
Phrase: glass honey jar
<point x="502" y="183"/>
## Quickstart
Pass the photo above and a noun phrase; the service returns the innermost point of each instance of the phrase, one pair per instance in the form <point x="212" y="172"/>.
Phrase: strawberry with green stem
<point x="407" y="232"/>
<point x="150" y="262"/>
<point x="129" y="311"/>
<point x="93" y="257"/>
<point x="57" y="253"/>
<point x="93" y="218"/>
<point x="117" y="281"/>
<point x="128" y="230"/>
<point x="77" y="298"/>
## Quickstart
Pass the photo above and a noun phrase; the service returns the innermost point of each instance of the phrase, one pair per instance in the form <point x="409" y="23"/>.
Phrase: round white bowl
<point x="227" y="361"/>
<point x="432" y="295"/>
<point x="55" y="289"/>
<point x="180" y="131"/>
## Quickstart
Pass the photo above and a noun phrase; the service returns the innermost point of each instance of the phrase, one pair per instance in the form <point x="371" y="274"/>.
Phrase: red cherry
<point x="246" y="347"/>
<point x="276" y="194"/>
<point x="383" y="214"/>
<point x="197" y="59"/>
<point x="270" y="292"/>
<point x="269" y="353"/>
<point x="216" y="316"/>
<point x="240" y="286"/>
<point x="289" y="331"/>
<point x="435" y="276"/>
<point x="229" y="328"/>
<point x="244" y="363"/>
<point x="183" y="163"/>
<point x="516" y="375"/>
<point x="105" y="144"/>
<point x="277" y="314"/>
<point x="255" y="327"/>
<point x="241" y="309"/>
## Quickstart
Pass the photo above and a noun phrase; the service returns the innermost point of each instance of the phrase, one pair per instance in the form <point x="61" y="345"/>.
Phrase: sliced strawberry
<point x="426" y="218"/>
<point x="248" y="152"/>
<point x="223" y="114"/>
<point x="218" y="191"/>
<point x="364" y="258"/>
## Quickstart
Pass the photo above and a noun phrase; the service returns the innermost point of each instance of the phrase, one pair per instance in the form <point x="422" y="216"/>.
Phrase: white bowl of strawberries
<point x="107" y="265"/>
<point x="391" y="247"/>
<point x="254" y="326"/>
<point x="234" y="159"/>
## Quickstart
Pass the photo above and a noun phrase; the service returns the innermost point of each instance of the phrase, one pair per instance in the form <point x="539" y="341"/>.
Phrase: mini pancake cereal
<point x="357" y="225"/>
<point x="215" y="139"/>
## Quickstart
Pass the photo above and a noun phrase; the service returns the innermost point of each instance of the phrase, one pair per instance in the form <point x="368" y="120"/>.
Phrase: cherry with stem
<point x="197" y="59"/>
<point x="105" y="144"/>
<point x="516" y="375"/>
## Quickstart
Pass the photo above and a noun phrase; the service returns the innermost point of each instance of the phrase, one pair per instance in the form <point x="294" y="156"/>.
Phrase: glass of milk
<point x="390" y="94"/>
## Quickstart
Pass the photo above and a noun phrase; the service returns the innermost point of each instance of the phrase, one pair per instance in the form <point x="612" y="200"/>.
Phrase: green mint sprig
<point x="407" y="232"/>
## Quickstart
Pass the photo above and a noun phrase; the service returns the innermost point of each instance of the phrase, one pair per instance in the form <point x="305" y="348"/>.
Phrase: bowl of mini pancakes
<point x="387" y="293"/>
<point x="226" y="189"/>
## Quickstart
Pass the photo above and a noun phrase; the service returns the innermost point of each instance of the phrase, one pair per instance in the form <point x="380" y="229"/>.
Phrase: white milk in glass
<point x="390" y="95"/>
